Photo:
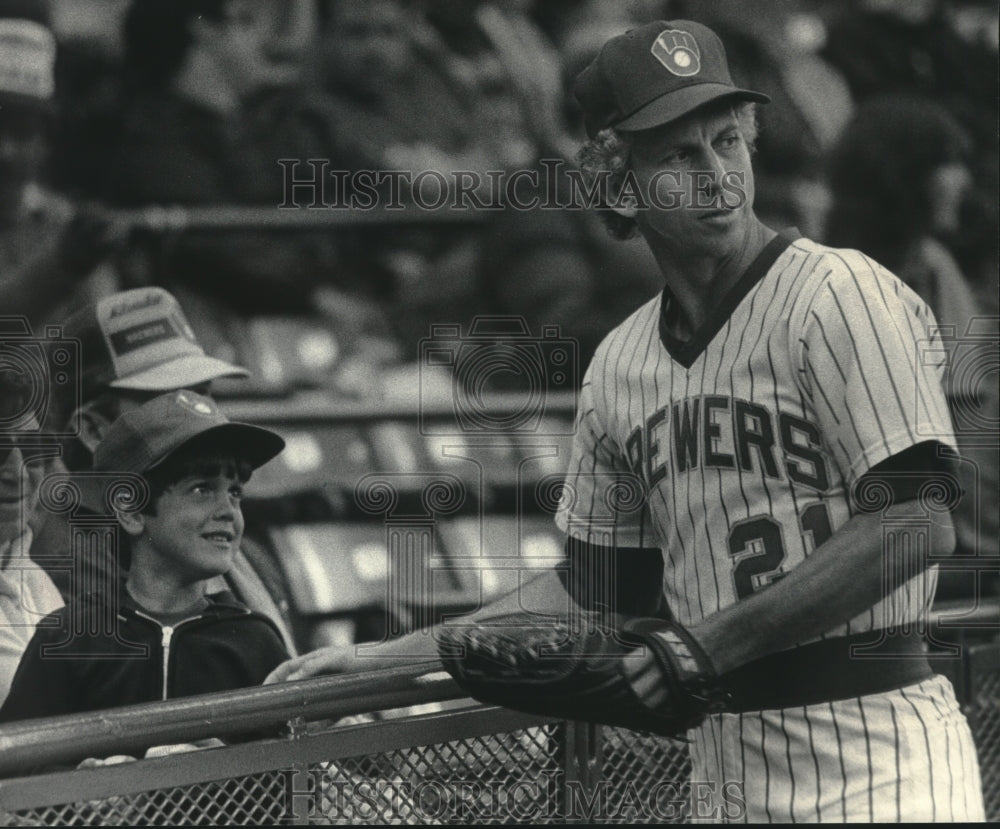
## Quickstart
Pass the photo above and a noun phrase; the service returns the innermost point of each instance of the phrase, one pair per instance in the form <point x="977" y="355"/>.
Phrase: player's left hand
<point x="644" y="674"/>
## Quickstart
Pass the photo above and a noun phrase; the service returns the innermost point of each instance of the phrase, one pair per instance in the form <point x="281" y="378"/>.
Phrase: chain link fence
<point x="523" y="776"/>
<point x="984" y="716"/>
<point x="470" y="765"/>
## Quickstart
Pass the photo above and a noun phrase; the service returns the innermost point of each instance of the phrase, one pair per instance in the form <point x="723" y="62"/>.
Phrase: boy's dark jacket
<point x="118" y="659"/>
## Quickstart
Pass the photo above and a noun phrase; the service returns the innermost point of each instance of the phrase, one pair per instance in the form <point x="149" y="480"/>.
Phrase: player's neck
<point x="698" y="283"/>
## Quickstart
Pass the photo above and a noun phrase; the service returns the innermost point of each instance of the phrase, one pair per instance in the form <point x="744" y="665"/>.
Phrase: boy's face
<point x="198" y="525"/>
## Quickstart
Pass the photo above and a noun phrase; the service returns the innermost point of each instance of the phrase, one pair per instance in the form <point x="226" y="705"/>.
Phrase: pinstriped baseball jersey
<point x="735" y="452"/>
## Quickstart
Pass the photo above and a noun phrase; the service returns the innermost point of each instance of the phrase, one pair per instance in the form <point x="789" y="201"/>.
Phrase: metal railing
<point x="288" y="761"/>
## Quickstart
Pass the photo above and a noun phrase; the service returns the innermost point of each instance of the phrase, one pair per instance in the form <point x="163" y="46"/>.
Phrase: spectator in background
<point x="135" y="345"/>
<point x="172" y="637"/>
<point x="899" y="177"/>
<point x="47" y="246"/>
<point x="210" y="107"/>
<point x="406" y="100"/>
<point x="27" y="594"/>
<point x="912" y="47"/>
<point x="556" y="267"/>
<point x="477" y="87"/>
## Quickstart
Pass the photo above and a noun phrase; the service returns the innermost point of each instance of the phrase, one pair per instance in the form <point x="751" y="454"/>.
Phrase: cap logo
<point x="678" y="51"/>
<point x="141" y="336"/>
<point x="197" y="405"/>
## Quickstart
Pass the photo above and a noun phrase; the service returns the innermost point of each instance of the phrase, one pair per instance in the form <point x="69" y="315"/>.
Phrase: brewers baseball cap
<point x="142" y="439"/>
<point x="141" y="340"/>
<point x="27" y="53"/>
<point x="655" y="74"/>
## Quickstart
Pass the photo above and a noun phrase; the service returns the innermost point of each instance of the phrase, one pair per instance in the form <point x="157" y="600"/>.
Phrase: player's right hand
<point x="333" y="659"/>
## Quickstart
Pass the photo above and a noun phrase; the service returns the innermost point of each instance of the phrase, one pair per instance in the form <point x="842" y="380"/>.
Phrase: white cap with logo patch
<point x="141" y="340"/>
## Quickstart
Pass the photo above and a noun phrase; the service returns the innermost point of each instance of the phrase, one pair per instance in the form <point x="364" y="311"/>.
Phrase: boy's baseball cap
<point x="142" y="439"/>
<point x="655" y="74"/>
<point x="141" y="340"/>
<point x="27" y="53"/>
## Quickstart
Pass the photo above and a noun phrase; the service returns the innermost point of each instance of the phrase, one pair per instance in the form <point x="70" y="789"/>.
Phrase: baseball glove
<point x="643" y="674"/>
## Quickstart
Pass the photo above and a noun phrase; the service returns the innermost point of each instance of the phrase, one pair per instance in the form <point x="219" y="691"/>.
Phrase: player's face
<point x="698" y="182"/>
<point x="198" y="526"/>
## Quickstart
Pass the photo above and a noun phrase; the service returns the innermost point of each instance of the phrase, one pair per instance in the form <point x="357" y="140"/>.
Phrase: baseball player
<point x="769" y="427"/>
<point x="760" y="404"/>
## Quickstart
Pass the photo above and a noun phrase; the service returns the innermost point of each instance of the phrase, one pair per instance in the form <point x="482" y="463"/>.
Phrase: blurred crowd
<point x="192" y="103"/>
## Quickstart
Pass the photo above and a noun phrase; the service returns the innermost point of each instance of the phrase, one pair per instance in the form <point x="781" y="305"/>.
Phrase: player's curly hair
<point x="608" y="155"/>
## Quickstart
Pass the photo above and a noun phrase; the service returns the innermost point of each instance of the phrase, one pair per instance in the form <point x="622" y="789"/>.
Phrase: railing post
<point x="583" y="771"/>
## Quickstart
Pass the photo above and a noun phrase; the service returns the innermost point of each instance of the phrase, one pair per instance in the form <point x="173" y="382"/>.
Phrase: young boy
<point x="163" y="635"/>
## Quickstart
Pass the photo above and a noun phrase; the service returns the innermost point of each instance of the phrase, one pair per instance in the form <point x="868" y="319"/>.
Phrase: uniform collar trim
<point x="686" y="352"/>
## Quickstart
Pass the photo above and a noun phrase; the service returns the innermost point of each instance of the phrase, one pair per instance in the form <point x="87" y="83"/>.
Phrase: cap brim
<point x="242" y="440"/>
<point x="180" y="373"/>
<point x="680" y="102"/>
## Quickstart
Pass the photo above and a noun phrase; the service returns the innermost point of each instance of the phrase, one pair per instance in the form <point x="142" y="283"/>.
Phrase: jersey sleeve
<point x="602" y="502"/>
<point x="872" y="363"/>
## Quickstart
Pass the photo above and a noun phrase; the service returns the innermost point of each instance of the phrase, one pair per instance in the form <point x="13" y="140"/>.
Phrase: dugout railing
<point x="429" y="756"/>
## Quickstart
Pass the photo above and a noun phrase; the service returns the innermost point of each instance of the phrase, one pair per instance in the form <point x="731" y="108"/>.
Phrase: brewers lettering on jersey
<point x="767" y="406"/>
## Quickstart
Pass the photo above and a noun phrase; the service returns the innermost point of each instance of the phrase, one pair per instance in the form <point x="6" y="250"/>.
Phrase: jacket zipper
<point x="166" y="636"/>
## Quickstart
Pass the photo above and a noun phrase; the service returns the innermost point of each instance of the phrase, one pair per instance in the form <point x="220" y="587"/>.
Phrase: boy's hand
<point x="333" y="659"/>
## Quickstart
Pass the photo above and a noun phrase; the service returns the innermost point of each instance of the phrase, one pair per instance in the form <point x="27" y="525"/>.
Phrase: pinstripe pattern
<point x="828" y="763"/>
<point x="746" y="453"/>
